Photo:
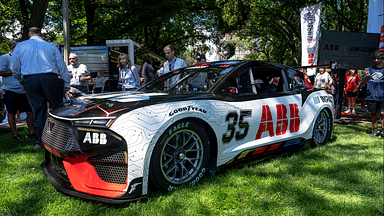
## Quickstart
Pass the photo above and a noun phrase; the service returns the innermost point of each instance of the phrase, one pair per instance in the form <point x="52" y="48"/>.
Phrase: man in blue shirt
<point x="375" y="92"/>
<point x="173" y="63"/>
<point x="40" y="66"/>
<point x="14" y="95"/>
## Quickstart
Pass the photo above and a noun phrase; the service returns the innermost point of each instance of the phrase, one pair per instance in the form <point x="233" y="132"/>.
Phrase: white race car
<point x="111" y="147"/>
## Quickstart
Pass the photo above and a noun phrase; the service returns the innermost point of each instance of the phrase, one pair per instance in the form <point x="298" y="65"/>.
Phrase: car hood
<point x="117" y="103"/>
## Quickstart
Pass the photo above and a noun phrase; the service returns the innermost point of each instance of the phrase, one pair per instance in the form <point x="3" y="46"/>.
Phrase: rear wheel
<point x="180" y="156"/>
<point x="322" y="129"/>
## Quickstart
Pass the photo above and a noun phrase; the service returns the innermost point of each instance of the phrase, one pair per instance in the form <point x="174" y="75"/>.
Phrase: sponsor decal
<point x="234" y="119"/>
<point x="316" y="100"/>
<point x="95" y="138"/>
<point x="326" y="99"/>
<point x="283" y="121"/>
<point x="243" y="154"/>
<point x="274" y="146"/>
<point x="292" y="142"/>
<point x="178" y="126"/>
<point x="187" y="108"/>
<point x="192" y="183"/>
<point x="133" y="187"/>
<point x="259" y="150"/>
<point x="50" y="126"/>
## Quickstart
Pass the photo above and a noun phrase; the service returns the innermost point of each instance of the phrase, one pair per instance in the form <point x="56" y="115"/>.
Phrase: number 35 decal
<point x="243" y="125"/>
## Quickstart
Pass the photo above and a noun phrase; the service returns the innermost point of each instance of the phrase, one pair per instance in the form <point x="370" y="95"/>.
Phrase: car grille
<point x="56" y="135"/>
<point x="111" y="166"/>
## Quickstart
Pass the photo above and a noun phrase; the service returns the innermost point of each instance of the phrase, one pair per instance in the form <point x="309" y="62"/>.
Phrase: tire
<point x="322" y="128"/>
<point x="180" y="157"/>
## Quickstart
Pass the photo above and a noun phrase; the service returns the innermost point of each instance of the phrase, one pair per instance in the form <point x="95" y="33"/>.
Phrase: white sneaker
<point x="348" y="111"/>
<point x="353" y="112"/>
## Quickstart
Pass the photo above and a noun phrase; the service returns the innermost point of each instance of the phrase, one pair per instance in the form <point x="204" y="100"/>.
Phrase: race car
<point x="113" y="147"/>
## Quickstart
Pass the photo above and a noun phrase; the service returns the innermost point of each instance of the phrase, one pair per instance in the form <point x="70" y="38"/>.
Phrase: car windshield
<point x="198" y="79"/>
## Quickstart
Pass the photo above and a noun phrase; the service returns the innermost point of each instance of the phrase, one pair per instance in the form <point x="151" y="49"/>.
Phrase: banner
<point x="348" y="49"/>
<point x="310" y="31"/>
<point x="376" y="20"/>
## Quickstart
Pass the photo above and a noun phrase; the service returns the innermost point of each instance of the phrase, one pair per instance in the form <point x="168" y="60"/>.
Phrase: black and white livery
<point x="112" y="147"/>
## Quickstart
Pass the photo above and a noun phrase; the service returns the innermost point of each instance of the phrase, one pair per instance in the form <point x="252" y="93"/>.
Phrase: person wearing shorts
<point x="18" y="102"/>
<point x="375" y="92"/>
<point x="352" y="80"/>
<point x="14" y="97"/>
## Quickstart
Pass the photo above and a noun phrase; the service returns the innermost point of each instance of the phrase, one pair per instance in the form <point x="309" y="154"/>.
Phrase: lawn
<point x="344" y="177"/>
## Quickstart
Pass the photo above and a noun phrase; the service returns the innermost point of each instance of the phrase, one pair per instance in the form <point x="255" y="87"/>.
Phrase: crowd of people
<point x="35" y="78"/>
<point x="367" y="88"/>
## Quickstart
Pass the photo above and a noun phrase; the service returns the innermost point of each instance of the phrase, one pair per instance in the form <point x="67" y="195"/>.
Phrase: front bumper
<point x="87" y="170"/>
<point x="62" y="183"/>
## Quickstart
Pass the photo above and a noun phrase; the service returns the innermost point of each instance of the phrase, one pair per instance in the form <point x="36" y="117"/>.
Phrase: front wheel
<point x="180" y="156"/>
<point x="322" y="129"/>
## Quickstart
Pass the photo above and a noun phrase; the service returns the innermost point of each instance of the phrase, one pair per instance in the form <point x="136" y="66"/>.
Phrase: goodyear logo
<point x="187" y="108"/>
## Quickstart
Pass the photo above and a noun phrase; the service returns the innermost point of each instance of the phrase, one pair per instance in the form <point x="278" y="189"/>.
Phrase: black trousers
<point x="40" y="89"/>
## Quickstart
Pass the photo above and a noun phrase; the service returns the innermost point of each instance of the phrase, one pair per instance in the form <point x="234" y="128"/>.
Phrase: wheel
<point x="322" y="129"/>
<point x="180" y="156"/>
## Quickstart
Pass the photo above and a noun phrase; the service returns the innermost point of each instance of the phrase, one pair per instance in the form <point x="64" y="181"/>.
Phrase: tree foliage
<point x="274" y="25"/>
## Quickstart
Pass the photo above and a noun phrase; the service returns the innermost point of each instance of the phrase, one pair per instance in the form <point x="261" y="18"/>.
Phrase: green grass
<point x="344" y="177"/>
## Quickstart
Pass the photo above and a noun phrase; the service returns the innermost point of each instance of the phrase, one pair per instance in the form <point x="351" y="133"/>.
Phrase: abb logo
<point x="282" y="123"/>
<point x="95" y="138"/>
<point x="331" y="47"/>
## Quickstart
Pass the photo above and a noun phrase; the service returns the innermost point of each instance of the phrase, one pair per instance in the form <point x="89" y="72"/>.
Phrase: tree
<point x="23" y="14"/>
<point x="276" y="24"/>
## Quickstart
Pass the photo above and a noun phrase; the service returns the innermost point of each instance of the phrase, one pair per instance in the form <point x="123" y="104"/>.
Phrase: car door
<point x="266" y="109"/>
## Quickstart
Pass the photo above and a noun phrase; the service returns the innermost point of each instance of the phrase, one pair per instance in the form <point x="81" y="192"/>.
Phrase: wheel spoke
<point x="321" y="128"/>
<point x="169" y="170"/>
<point x="182" y="156"/>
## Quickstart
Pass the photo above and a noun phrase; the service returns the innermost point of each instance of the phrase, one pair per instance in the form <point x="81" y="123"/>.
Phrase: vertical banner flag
<point x="376" y="20"/>
<point x="310" y="32"/>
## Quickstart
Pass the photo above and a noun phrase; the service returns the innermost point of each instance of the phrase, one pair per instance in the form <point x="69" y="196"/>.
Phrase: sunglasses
<point x="71" y="58"/>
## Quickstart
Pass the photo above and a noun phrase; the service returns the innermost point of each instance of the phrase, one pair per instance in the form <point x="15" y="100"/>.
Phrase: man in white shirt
<point x="79" y="76"/>
<point x="173" y="63"/>
<point x="323" y="79"/>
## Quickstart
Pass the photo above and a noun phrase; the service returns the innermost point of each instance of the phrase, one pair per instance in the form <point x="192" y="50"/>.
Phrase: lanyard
<point x="123" y="73"/>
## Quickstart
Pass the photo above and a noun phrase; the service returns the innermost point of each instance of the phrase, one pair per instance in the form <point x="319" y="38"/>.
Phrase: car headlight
<point x="96" y="122"/>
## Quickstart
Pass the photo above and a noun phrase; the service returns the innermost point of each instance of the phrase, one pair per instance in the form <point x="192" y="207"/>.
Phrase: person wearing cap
<point x="79" y="76"/>
<point x="14" y="97"/>
<point x="41" y="68"/>
<point x="375" y="92"/>
<point x="173" y="63"/>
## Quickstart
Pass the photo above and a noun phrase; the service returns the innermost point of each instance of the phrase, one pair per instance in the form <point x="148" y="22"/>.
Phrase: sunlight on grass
<point x="344" y="177"/>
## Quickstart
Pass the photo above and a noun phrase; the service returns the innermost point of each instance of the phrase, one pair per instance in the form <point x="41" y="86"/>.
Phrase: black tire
<point x="322" y="128"/>
<point x="180" y="157"/>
